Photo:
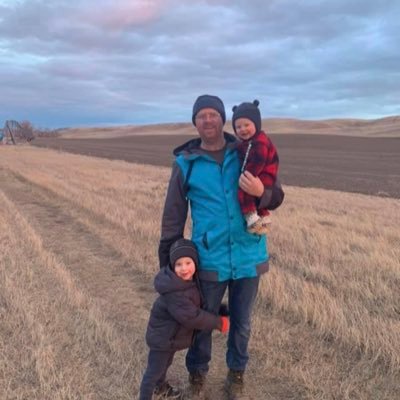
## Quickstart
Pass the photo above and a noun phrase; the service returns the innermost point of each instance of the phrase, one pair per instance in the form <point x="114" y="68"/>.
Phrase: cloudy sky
<point x="102" y="62"/>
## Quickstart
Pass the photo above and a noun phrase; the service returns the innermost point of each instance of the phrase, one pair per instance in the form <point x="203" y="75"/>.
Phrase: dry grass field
<point x="79" y="238"/>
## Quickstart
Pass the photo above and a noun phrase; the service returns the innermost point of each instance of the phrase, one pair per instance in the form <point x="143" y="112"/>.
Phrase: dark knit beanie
<point x="183" y="248"/>
<point x="208" y="101"/>
<point x="249" y="111"/>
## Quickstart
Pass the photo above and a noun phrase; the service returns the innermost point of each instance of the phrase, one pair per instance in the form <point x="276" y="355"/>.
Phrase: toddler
<point x="258" y="155"/>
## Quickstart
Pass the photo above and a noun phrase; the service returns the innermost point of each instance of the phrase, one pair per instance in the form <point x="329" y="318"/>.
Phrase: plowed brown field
<point x="349" y="164"/>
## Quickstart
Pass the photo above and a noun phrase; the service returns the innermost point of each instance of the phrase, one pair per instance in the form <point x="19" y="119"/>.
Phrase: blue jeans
<point x="241" y="294"/>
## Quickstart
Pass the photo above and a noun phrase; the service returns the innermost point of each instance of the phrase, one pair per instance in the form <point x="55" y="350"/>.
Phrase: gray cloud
<point x="123" y="61"/>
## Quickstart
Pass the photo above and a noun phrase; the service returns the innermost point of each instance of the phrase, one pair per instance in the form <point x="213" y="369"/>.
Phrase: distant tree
<point x="27" y="130"/>
<point x="46" y="132"/>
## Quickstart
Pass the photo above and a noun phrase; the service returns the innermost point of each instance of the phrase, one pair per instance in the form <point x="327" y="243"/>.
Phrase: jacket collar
<point x="192" y="147"/>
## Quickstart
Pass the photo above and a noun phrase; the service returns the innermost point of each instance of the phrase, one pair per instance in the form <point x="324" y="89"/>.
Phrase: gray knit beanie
<point x="183" y="248"/>
<point x="208" y="101"/>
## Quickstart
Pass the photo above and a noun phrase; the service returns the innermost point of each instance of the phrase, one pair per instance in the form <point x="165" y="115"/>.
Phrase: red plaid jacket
<point x="262" y="161"/>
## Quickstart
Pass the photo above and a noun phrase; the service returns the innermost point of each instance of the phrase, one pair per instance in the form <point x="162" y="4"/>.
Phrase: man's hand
<point x="251" y="184"/>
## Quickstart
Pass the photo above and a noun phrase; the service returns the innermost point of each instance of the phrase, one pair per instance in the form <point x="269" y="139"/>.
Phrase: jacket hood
<point x="191" y="146"/>
<point x="167" y="281"/>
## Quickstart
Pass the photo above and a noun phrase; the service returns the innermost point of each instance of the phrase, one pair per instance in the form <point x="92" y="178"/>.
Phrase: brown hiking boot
<point x="234" y="385"/>
<point x="197" y="382"/>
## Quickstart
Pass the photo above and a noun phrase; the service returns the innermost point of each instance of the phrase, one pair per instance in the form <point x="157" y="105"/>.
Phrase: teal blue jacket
<point x="226" y="249"/>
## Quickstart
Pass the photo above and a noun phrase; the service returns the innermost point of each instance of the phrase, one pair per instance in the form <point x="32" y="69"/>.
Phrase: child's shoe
<point x="252" y="220"/>
<point x="196" y="387"/>
<point x="261" y="227"/>
<point x="166" y="391"/>
<point x="264" y="226"/>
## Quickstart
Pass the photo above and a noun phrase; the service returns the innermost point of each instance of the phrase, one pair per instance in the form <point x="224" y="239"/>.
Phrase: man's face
<point x="209" y="125"/>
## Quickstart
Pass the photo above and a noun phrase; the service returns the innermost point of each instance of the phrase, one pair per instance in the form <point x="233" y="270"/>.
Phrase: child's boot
<point x="264" y="225"/>
<point x="252" y="220"/>
<point x="166" y="391"/>
<point x="196" y="387"/>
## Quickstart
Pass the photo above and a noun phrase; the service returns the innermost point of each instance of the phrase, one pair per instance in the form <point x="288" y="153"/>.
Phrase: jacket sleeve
<point x="174" y="214"/>
<point x="190" y="316"/>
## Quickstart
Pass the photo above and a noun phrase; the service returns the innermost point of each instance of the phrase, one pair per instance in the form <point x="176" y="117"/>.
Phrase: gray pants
<point x="156" y="371"/>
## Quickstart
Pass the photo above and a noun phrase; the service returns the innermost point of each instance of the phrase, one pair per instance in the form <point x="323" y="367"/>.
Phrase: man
<point x="206" y="176"/>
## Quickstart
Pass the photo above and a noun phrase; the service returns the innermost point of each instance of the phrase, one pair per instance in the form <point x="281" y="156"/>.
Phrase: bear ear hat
<point x="256" y="103"/>
<point x="234" y="108"/>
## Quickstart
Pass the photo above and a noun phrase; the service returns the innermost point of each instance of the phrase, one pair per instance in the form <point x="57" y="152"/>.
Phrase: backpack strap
<point x="189" y="172"/>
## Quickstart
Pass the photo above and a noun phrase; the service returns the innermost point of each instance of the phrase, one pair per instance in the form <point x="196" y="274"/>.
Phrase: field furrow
<point x="79" y="351"/>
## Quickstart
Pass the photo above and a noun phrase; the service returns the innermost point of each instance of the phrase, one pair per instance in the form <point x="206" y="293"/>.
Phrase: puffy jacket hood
<point x="192" y="145"/>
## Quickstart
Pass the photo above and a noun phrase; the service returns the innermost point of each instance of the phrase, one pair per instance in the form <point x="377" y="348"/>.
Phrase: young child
<point x="258" y="155"/>
<point x="174" y="317"/>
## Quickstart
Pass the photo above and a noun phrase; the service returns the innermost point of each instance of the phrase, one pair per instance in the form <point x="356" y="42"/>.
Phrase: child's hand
<point x="224" y="328"/>
<point x="251" y="184"/>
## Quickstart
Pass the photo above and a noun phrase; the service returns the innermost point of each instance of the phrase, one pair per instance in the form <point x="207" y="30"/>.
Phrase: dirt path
<point x="106" y="294"/>
<point x="96" y="267"/>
